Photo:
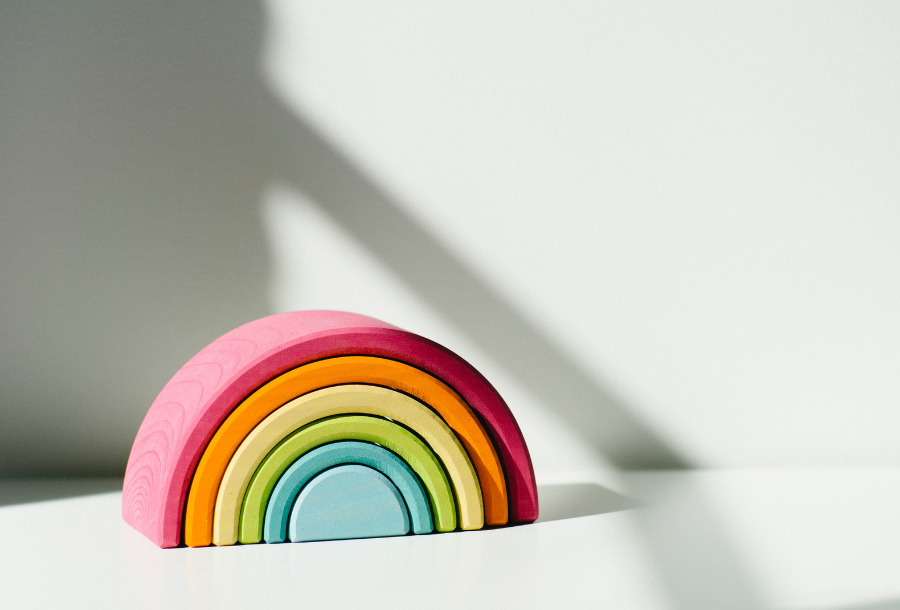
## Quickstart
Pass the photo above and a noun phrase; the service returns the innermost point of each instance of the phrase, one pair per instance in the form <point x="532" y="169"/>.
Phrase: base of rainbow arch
<point x="323" y="425"/>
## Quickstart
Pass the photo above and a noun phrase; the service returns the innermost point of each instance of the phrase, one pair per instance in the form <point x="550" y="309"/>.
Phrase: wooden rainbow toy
<point x="319" y="425"/>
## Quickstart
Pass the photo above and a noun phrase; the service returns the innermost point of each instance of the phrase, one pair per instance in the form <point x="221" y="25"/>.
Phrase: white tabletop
<point x="736" y="539"/>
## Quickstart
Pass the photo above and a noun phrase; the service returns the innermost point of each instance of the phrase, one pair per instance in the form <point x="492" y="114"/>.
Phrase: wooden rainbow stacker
<point x="322" y="425"/>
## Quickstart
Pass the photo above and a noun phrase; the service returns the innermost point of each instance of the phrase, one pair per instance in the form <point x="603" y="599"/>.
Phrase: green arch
<point x="347" y="428"/>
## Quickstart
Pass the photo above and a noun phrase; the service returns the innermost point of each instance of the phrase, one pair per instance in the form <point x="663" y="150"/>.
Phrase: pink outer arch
<point x="190" y="408"/>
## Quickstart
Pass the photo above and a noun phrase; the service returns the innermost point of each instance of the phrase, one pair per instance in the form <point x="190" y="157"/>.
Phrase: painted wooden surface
<point x="191" y="407"/>
<point x="348" y="502"/>
<point x="334" y="371"/>
<point x="339" y="400"/>
<point x="304" y="469"/>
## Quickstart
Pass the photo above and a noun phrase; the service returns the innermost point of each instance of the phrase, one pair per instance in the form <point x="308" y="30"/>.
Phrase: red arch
<point x="190" y="408"/>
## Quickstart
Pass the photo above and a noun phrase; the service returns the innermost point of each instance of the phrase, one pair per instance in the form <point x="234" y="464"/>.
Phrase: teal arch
<point x="322" y="458"/>
<point x="348" y="501"/>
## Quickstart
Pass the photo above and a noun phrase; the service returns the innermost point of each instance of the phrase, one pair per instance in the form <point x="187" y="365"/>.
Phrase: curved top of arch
<point x="191" y="407"/>
<point x="342" y="400"/>
<point x="334" y="371"/>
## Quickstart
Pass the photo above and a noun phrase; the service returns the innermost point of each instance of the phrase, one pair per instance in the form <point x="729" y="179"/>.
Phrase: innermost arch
<point x="350" y="501"/>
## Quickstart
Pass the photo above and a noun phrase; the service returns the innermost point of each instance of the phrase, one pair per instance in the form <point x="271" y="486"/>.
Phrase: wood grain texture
<point x="191" y="407"/>
<point x="278" y="506"/>
<point x="372" y="370"/>
<point x="348" y="502"/>
<point x="341" y="400"/>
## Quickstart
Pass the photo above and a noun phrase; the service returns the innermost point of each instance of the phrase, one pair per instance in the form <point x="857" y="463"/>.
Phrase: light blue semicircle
<point x="349" y="501"/>
<point x="322" y="458"/>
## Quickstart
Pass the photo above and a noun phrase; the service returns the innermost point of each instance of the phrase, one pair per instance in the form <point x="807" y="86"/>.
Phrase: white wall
<point x="697" y="209"/>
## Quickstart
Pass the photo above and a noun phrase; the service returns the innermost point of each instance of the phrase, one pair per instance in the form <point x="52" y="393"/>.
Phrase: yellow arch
<point x="201" y="500"/>
<point x="343" y="400"/>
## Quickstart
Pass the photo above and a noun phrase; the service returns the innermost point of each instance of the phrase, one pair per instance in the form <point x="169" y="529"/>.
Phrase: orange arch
<point x="439" y="396"/>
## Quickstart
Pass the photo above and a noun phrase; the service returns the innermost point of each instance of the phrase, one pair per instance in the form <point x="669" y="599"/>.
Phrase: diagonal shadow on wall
<point x="138" y="140"/>
<point x="354" y="200"/>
